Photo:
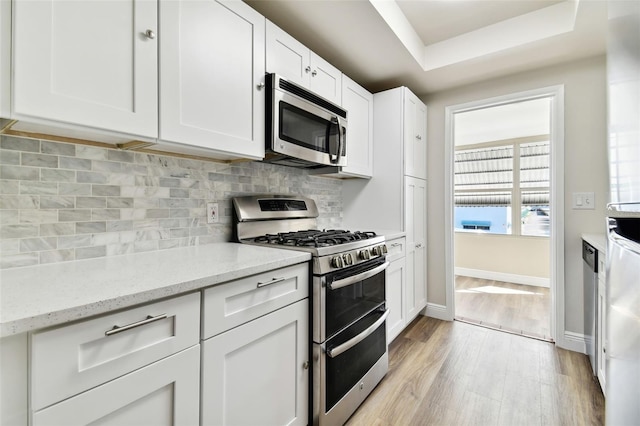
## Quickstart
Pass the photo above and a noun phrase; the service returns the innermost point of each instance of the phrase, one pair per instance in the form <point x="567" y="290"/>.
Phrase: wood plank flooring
<point x="452" y="373"/>
<point x="518" y="308"/>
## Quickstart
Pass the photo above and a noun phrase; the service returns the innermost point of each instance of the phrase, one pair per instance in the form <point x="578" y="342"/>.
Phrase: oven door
<point x="341" y="298"/>
<point x="305" y="130"/>
<point x="348" y="367"/>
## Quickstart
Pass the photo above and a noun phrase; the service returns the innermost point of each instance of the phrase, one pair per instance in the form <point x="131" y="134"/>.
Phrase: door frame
<point x="556" y="95"/>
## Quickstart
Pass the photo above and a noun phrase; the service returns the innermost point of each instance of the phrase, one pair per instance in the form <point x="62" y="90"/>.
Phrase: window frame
<point x="515" y="189"/>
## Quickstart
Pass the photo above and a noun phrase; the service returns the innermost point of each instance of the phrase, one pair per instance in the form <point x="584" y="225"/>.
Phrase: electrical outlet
<point x="212" y="213"/>
<point x="584" y="200"/>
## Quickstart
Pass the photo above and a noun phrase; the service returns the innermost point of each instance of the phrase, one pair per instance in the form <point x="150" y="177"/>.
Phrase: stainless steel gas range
<point x="348" y="314"/>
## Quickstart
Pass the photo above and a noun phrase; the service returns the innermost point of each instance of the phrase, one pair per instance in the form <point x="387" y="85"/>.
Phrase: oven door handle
<point x="334" y="352"/>
<point x="357" y="278"/>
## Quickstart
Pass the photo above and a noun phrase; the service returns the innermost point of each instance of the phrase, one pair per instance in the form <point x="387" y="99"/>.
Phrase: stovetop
<point x="289" y="222"/>
<point x="315" y="237"/>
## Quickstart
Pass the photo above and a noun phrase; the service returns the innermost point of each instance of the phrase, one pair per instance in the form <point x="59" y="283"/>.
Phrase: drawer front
<point x="71" y="359"/>
<point x="231" y="304"/>
<point x="396" y="248"/>
<point x="164" y="393"/>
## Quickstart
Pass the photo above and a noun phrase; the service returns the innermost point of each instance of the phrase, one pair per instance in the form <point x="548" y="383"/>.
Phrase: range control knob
<point x="364" y="254"/>
<point x="376" y="251"/>
<point x="348" y="259"/>
<point x="384" y="249"/>
<point x="337" y="262"/>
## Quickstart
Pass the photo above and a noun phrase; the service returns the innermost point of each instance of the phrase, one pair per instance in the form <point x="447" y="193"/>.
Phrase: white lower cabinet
<point x="396" y="281"/>
<point x="416" y="254"/>
<point x="601" y="326"/>
<point x="139" y="366"/>
<point x="163" y="393"/>
<point x="258" y="373"/>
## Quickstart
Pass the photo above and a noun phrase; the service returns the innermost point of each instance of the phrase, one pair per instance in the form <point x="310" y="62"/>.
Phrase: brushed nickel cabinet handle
<point x="119" y="329"/>
<point x="273" y="281"/>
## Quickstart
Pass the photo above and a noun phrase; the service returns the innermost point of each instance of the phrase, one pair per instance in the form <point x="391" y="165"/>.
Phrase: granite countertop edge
<point x="36" y="297"/>
<point x="599" y="241"/>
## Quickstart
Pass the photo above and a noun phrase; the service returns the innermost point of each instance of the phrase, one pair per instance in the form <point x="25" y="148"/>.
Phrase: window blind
<point x="484" y="176"/>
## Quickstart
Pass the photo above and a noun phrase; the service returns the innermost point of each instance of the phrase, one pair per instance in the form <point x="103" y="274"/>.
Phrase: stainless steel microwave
<point x="303" y="129"/>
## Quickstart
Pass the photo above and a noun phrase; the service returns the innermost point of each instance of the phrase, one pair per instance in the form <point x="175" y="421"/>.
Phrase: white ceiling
<point x="432" y="45"/>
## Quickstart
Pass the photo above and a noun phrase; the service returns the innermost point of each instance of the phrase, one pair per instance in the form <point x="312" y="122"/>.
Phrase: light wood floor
<point x="518" y="308"/>
<point x="452" y="373"/>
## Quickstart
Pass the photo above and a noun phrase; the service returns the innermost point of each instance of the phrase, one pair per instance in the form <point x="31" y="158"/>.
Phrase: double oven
<point x="348" y="311"/>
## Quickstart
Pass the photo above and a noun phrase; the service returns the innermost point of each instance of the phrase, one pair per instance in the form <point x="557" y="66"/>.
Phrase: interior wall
<point x="517" y="255"/>
<point x="585" y="164"/>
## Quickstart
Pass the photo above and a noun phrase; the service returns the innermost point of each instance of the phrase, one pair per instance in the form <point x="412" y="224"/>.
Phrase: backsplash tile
<point x="61" y="202"/>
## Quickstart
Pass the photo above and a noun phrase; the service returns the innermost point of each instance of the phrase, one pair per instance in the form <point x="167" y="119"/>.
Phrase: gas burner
<point x="314" y="237"/>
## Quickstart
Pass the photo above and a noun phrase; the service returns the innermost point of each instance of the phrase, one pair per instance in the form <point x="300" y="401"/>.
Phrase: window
<point x="495" y="180"/>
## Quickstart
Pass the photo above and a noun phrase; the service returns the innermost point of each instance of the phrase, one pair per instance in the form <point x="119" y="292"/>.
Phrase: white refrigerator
<point x="622" y="405"/>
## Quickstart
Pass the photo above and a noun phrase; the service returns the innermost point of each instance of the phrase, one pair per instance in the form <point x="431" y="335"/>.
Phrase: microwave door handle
<point x="334" y="352"/>
<point x="340" y="140"/>
<point x="335" y="157"/>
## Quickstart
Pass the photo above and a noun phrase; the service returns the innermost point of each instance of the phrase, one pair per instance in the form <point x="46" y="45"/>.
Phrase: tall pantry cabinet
<point x="395" y="197"/>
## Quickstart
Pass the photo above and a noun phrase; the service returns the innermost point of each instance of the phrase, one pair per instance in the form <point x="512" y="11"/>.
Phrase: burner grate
<point x="314" y="237"/>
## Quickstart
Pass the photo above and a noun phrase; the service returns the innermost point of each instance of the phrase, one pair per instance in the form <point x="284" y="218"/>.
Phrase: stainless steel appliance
<point x="590" y="281"/>
<point x="623" y="315"/>
<point x="302" y="128"/>
<point x="622" y="405"/>
<point x="349" y="343"/>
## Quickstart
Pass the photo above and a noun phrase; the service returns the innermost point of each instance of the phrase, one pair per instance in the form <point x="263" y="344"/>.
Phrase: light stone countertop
<point x="599" y="241"/>
<point x="42" y="296"/>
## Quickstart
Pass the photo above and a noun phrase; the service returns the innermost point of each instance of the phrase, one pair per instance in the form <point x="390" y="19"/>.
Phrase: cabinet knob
<point x="307" y="69"/>
<point x="150" y="34"/>
<point x="305" y="365"/>
<point x="260" y="86"/>
<point x="314" y="73"/>
<point x="419" y="137"/>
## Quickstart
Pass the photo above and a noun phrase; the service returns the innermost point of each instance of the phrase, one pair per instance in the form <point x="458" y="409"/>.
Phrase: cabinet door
<point x="415" y="137"/>
<point x="5" y="59"/>
<point x="211" y="71"/>
<point x="359" y="104"/>
<point x="601" y="335"/>
<point x="163" y="393"/>
<point x="326" y="80"/>
<point x="87" y="63"/>
<point x="416" y="229"/>
<point x="395" y="283"/>
<point x="257" y="373"/>
<point x="286" y="56"/>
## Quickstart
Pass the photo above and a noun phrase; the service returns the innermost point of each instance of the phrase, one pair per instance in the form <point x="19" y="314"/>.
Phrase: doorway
<point x="505" y="180"/>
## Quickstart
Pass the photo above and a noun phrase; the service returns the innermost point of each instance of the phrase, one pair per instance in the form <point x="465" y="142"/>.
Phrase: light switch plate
<point x="584" y="200"/>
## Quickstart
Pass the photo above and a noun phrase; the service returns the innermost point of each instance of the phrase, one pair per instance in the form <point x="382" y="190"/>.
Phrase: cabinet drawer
<point x="71" y="359"/>
<point x="236" y="302"/>
<point x="396" y="248"/>
<point x="163" y="393"/>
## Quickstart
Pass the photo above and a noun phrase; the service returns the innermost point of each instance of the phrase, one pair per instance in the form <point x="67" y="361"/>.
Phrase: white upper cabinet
<point x="88" y="63"/>
<point x="292" y="60"/>
<point x="5" y="59"/>
<point x="212" y="76"/>
<point x="359" y="105"/>
<point x="415" y="136"/>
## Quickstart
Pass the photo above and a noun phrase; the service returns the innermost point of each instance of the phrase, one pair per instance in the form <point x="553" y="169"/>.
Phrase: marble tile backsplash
<point x="62" y="201"/>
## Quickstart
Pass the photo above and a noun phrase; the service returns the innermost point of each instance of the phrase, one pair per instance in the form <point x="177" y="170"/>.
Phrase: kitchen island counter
<point x="41" y="296"/>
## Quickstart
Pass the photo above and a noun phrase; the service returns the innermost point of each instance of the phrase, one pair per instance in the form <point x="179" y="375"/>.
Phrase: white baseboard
<point x="573" y="342"/>
<point x="440" y="312"/>
<point x="501" y="276"/>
